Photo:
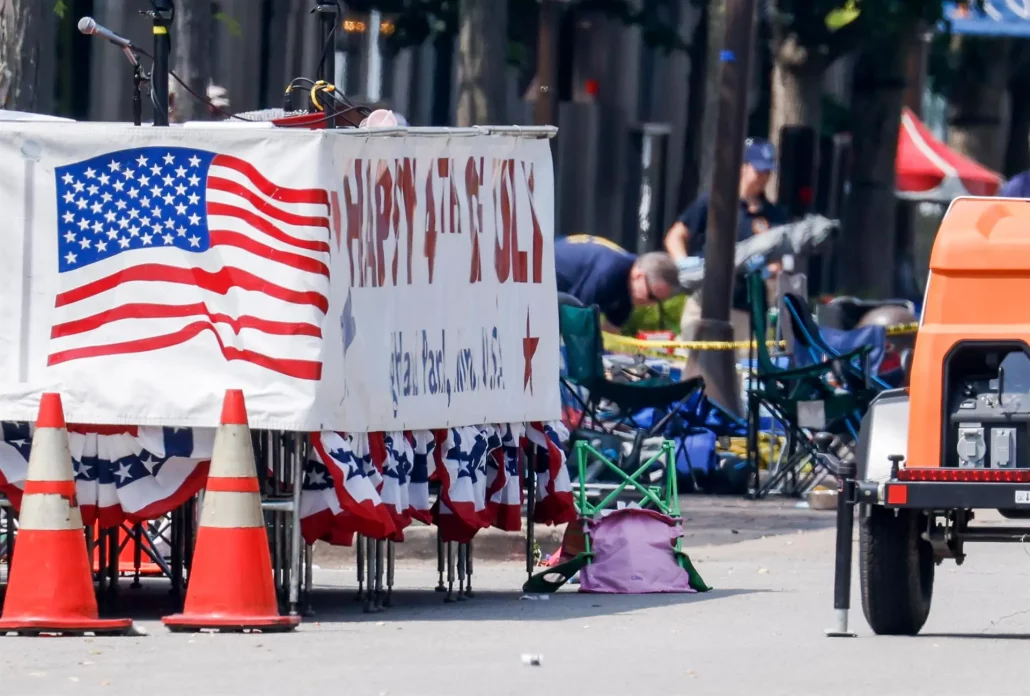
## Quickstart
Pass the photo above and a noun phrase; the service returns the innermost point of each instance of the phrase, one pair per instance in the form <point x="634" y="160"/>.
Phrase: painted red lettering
<point x="431" y="231"/>
<point x="354" y="200"/>
<point x="473" y="182"/>
<point x="384" y="211"/>
<point x="538" y="237"/>
<point x="503" y="204"/>
<point x="404" y="197"/>
<point x="368" y="266"/>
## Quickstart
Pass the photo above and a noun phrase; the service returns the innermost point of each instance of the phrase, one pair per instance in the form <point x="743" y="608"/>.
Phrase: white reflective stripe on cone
<point x="233" y="454"/>
<point x="229" y="510"/>
<point x="48" y="512"/>
<point x="50" y="459"/>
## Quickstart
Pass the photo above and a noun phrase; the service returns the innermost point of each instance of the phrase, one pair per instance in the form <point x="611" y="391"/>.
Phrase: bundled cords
<point x="324" y="98"/>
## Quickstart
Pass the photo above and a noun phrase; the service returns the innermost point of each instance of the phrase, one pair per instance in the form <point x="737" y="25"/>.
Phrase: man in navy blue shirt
<point x="685" y="240"/>
<point x="597" y="271"/>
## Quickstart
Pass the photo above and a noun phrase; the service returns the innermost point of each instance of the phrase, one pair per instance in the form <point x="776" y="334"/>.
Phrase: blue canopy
<point x="997" y="18"/>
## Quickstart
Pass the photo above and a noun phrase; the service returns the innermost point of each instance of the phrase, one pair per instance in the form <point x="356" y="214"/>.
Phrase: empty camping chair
<point x="663" y="524"/>
<point x="624" y="413"/>
<point x="804" y="399"/>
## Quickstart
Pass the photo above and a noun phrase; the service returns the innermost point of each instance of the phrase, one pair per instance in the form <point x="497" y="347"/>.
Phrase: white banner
<point x="344" y="281"/>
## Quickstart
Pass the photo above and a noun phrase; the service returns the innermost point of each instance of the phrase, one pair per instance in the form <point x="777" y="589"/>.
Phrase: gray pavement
<point x="759" y="631"/>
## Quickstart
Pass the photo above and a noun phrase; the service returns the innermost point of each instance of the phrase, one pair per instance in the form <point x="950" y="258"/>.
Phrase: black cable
<point x="153" y="99"/>
<point x="327" y="119"/>
<point x="332" y="34"/>
<point x="206" y="100"/>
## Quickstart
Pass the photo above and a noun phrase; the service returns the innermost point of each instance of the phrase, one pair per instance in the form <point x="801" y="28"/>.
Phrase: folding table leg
<point x="359" y="546"/>
<point x="461" y="573"/>
<point x="439" y="561"/>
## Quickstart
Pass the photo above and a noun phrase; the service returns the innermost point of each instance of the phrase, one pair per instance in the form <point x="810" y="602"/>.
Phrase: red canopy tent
<point x="928" y="170"/>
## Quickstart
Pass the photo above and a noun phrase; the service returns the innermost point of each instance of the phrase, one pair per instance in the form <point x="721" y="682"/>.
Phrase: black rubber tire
<point x="896" y="568"/>
<point x="1015" y="514"/>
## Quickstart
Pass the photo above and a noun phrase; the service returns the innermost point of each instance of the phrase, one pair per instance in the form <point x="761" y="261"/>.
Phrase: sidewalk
<point x="707" y="521"/>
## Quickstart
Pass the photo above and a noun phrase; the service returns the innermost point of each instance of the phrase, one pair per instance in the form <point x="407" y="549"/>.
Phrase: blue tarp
<point x="997" y="18"/>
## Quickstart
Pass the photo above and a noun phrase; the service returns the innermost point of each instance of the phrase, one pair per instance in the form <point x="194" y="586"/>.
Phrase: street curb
<point x="420" y="545"/>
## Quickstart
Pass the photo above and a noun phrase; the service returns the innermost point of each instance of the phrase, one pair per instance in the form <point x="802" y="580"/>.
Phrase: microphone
<point x="89" y="26"/>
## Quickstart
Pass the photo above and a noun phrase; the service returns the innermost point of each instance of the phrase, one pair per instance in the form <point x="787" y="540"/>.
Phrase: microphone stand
<point x="139" y="76"/>
<point x="328" y="14"/>
<point x="162" y="16"/>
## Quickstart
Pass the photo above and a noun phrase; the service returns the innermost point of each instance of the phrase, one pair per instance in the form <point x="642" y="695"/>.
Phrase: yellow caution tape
<point x="899" y="329"/>
<point x="626" y="344"/>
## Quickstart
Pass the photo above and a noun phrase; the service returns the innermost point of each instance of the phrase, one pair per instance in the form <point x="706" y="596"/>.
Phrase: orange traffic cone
<point x="50" y="589"/>
<point x="230" y="585"/>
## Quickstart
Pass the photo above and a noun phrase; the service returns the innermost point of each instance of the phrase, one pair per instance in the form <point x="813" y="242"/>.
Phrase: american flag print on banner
<point x="163" y="246"/>
<point x="122" y="473"/>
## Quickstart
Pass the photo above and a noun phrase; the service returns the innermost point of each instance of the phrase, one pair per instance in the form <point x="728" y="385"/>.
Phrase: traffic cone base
<point x="43" y="599"/>
<point x="50" y="588"/>
<point x="231" y="584"/>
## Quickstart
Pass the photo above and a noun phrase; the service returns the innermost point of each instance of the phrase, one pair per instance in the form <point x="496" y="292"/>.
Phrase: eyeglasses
<point x="651" y="297"/>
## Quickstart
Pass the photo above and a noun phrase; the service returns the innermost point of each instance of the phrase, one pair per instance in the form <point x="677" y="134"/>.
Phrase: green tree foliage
<point x="820" y="25"/>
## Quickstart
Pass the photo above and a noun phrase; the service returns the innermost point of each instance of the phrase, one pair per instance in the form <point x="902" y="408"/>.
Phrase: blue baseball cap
<point x="760" y="154"/>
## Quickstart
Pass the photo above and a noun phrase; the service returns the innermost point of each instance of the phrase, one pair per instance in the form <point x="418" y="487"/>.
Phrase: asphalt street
<point x="760" y="631"/>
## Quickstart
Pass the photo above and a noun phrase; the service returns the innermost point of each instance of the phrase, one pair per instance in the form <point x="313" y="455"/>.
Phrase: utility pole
<point x="718" y="367"/>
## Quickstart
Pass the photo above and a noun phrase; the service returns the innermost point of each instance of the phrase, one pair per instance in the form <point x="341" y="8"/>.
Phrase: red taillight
<point x="966" y="475"/>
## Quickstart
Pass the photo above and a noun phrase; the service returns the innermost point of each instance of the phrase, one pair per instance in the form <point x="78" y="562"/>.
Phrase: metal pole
<point x="309" y="579"/>
<point x="162" y="15"/>
<point x="359" y="552"/>
<point x="718" y="367"/>
<point x="439" y="561"/>
<point x="299" y="456"/>
<point x="380" y="548"/>
<point x="530" y="463"/>
<point x="391" y="562"/>
<point x="449" y="597"/>
<point x="461" y="572"/>
<point x="842" y="557"/>
<point x="370" y="571"/>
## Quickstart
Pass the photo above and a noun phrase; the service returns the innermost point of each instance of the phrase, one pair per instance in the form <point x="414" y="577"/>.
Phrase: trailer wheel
<point x="896" y="569"/>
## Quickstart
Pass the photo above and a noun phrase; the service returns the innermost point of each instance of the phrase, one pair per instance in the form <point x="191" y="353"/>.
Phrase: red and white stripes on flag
<point x="161" y="246"/>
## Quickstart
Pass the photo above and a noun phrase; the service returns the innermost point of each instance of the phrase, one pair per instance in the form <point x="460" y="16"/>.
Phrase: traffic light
<point x="798" y="158"/>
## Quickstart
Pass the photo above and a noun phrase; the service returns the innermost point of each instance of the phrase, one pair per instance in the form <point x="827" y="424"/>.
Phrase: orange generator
<point x="957" y="439"/>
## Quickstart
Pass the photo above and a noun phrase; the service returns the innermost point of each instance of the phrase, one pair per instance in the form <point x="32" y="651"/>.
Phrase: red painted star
<point x="529" y="344"/>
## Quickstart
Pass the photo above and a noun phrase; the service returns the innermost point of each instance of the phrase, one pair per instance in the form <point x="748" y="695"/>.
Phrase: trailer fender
<point x="884" y="432"/>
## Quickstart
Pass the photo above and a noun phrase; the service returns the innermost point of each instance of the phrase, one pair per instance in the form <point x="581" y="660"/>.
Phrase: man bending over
<point x="597" y="271"/>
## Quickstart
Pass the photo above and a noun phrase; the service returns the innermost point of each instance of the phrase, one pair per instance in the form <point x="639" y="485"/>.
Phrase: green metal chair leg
<point x="542" y="582"/>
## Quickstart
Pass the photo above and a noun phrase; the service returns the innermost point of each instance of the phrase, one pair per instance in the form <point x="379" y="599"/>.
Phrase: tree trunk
<point x="693" y="143"/>
<point x="482" y="63"/>
<point x="976" y="118"/>
<point x="27" y="41"/>
<point x="866" y="254"/>
<point x="713" y="72"/>
<point x="797" y="93"/>
<point x="194" y="26"/>
<point x="796" y="99"/>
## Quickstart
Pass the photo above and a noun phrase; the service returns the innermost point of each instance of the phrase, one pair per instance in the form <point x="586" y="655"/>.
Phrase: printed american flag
<point x="163" y="246"/>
